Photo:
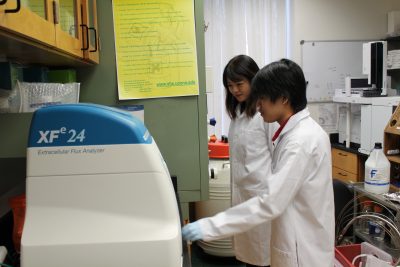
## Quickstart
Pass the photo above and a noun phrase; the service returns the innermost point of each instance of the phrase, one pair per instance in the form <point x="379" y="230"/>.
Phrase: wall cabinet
<point x="89" y="16"/>
<point x="33" y="20"/>
<point x="64" y="27"/>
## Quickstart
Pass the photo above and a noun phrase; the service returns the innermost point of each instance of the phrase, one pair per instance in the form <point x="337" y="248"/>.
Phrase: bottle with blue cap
<point x="377" y="171"/>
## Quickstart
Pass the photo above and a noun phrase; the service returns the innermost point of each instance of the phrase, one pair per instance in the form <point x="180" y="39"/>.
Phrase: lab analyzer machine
<point x="375" y="66"/>
<point x="98" y="192"/>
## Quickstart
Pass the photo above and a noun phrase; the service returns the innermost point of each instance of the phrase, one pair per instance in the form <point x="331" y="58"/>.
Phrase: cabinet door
<point x="345" y="160"/>
<point x="343" y="175"/>
<point x="91" y="39"/>
<point x="32" y="19"/>
<point x="68" y="29"/>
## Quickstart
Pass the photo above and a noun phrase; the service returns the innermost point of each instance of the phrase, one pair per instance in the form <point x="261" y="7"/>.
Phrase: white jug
<point x="377" y="171"/>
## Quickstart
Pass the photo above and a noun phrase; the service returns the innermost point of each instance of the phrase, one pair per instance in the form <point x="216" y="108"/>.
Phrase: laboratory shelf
<point x="386" y="101"/>
<point x="359" y="188"/>
<point x="392" y="247"/>
<point x="395" y="159"/>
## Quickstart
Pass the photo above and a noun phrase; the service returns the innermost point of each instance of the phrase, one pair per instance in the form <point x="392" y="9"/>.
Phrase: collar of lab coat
<point x="293" y="121"/>
<point x="238" y="113"/>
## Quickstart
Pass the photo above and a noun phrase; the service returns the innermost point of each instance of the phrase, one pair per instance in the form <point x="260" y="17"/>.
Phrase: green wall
<point x="178" y="124"/>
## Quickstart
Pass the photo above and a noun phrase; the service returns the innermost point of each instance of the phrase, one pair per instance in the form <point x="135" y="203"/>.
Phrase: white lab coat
<point x="299" y="200"/>
<point x="250" y="157"/>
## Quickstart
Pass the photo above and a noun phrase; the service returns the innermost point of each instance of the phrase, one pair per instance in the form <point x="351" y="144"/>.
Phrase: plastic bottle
<point x="377" y="171"/>
<point x="377" y="227"/>
<point x="364" y="223"/>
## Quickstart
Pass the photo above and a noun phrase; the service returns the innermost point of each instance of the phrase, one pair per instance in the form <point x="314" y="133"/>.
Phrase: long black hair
<point x="239" y="68"/>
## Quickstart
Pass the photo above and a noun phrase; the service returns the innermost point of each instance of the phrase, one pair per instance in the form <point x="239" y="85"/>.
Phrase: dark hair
<point x="239" y="68"/>
<point x="283" y="78"/>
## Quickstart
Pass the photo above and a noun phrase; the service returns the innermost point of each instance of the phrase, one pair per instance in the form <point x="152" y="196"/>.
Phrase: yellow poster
<point x="155" y="48"/>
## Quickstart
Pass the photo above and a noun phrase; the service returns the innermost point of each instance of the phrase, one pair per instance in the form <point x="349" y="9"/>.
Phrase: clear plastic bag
<point x="36" y="95"/>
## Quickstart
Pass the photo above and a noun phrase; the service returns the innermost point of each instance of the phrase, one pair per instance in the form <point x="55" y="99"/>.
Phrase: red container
<point x="18" y="206"/>
<point x="346" y="254"/>
<point x="218" y="150"/>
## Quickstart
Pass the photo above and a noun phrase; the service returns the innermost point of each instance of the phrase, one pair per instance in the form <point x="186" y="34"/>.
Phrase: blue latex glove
<point x="192" y="232"/>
